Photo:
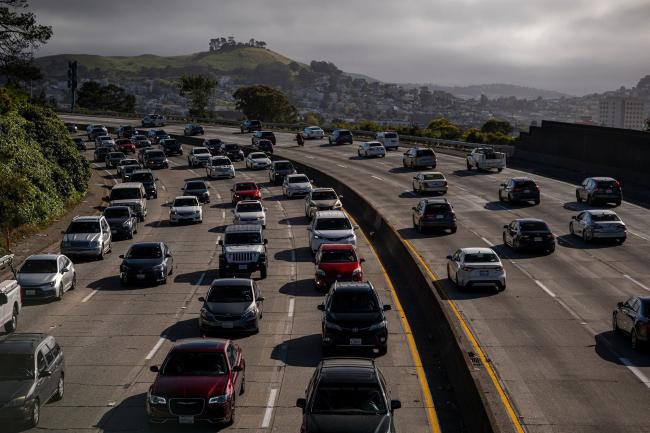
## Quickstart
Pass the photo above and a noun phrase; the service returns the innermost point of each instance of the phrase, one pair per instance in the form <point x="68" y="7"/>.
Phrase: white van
<point x="389" y="139"/>
<point x="130" y="194"/>
<point x="10" y="297"/>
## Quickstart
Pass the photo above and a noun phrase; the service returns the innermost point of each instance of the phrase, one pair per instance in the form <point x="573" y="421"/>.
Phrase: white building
<point x="619" y="112"/>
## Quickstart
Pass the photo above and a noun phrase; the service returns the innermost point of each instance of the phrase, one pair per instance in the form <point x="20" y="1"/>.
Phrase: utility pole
<point x="72" y="82"/>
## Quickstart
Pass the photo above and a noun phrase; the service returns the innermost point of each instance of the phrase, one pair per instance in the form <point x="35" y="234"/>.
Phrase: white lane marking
<point x="266" y="421"/>
<point x="218" y="239"/>
<point x="153" y="351"/>
<point x="87" y="298"/>
<point x="223" y="214"/>
<point x="487" y="241"/>
<point x="164" y="188"/>
<point x="638" y="373"/>
<point x="292" y="303"/>
<point x="309" y="157"/>
<point x="638" y="235"/>
<point x="638" y="283"/>
<point x="342" y="166"/>
<point x="544" y="288"/>
<point x="376" y="177"/>
<point x="201" y="279"/>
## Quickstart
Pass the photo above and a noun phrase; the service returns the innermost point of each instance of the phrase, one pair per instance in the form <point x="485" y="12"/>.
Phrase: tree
<point x="496" y="125"/>
<point x="198" y="89"/>
<point x="474" y="135"/>
<point x="264" y="103"/>
<point x="444" y="129"/>
<point x="20" y="34"/>
<point x="647" y="124"/>
<point x="12" y="198"/>
<point x="94" y="96"/>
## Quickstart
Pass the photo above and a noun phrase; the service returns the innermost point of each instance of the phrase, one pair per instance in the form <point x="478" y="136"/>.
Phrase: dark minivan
<point x="600" y="189"/>
<point x="518" y="190"/>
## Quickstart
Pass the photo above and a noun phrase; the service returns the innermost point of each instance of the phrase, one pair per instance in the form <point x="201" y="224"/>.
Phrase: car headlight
<point x="376" y="326"/>
<point x="333" y="326"/>
<point x="52" y="283"/>
<point x="16" y="402"/>
<point x="337" y="205"/>
<point x="218" y="399"/>
<point x="249" y="314"/>
<point x="158" y="268"/>
<point x="206" y="314"/>
<point x="126" y="223"/>
<point x="357" y="271"/>
<point x="155" y="399"/>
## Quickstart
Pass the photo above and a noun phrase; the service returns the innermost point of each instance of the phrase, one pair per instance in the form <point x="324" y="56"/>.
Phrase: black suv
<point x="125" y="131"/>
<point x="280" y="169"/>
<point x="600" y="189"/>
<point x="434" y="213"/>
<point x="232" y="151"/>
<point x="171" y="147"/>
<point x="213" y="145"/>
<point x="354" y="317"/>
<point x="122" y="220"/>
<point x="250" y="126"/>
<point x="348" y="395"/>
<point x="529" y="233"/>
<point x="32" y="371"/>
<point x="262" y="135"/>
<point x="100" y="153"/>
<point x="519" y="189"/>
<point x="148" y="180"/>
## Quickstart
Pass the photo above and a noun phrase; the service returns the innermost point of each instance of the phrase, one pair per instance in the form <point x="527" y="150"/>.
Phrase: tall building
<point x="622" y="112"/>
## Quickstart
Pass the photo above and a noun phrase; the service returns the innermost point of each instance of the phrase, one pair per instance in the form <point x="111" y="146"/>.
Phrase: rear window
<point x="605" y="217"/>
<point x="142" y="177"/>
<point x="156" y="154"/>
<point x="344" y="132"/>
<point x="354" y="302"/>
<point x="390" y="135"/>
<point x="126" y="193"/>
<point x="116" y="212"/>
<point x="245" y="186"/>
<point x="231" y="147"/>
<point x="375" y="145"/>
<point x="437" y="208"/>
<point x="267" y="134"/>
<point x="433" y="176"/>
<point x="481" y="258"/>
<point x="525" y="183"/>
<point x="606" y="184"/>
<point x="255" y="123"/>
<point x="533" y="226"/>
<point x="425" y="152"/>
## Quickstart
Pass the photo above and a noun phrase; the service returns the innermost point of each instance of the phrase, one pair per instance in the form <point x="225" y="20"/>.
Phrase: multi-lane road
<point x="549" y="335"/>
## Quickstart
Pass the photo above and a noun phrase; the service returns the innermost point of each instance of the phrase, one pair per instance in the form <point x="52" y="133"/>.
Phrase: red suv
<point x="245" y="191"/>
<point x="125" y="145"/>
<point x="199" y="381"/>
<point x="337" y="262"/>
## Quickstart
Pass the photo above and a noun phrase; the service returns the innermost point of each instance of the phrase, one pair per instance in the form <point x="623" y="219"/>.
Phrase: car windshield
<point x="245" y="187"/>
<point x="314" y="128"/>
<point x="220" y="161"/>
<point x="172" y="142"/>
<point x="16" y="366"/>
<point x="245" y="238"/>
<point x="606" y="184"/>
<point x="213" y="141"/>
<point x="354" y="302"/>
<point x="333" y="224"/>
<point x="231" y="147"/>
<point x="605" y="217"/>
<point x="533" y="226"/>
<point x="284" y="166"/>
<point x="83" y="227"/>
<point x="525" y="184"/>
<point x="139" y="137"/>
<point x="425" y="152"/>
<point x="39" y="266"/>
<point x="349" y="399"/>
<point x="258" y="155"/>
<point x="142" y="177"/>
<point x="433" y="176"/>
<point x="390" y="135"/>
<point x="117" y="155"/>
<point x="375" y="145"/>
<point x="195" y="185"/>
<point x="344" y="132"/>
<point x="102" y="150"/>
<point x="235" y="293"/>
<point x="161" y="132"/>
<point x="437" y="208"/>
<point x="338" y="256"/>
<point x="323" y="195"/>
<point x="116" y="212"/>
<point x="298" y="179"/>
<point x="155" y="154"/>
<point x="144" y="252"/>
<point x="481" y="258"/>
<point x="249" y="207"/>
<point x="182" y="363"/>
<point x="128" y="161"/>
<point x="201" y="151"/>
<point x="180" y="202"/>
<point x="130" y="168"/>
<point x="125" y="194"/>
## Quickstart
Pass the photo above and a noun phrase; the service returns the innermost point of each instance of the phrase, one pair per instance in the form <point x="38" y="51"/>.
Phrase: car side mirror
<point x="154" y="369"/>
<point x="3" y="299"/>
<point x="121" y="256"/>
<point x="167" y="255"/>
<point x="414" y="208"/>
<point x="505" y="226"/>
<point x="387" y="307"/>
<point x="220" y="242"/>
<point x="266" y="241"/>
<point x="237" y="368"/>
<point x="261" y="299"/>
<point x="301" y="403"/>
<point x="355" y="227"/>
<point x="620" y="305"/>
<point x="362" y="260"/>
<point x="395" y="404"/>
<point x="574" y="217"/>
<point x="321" y="307"/>
<point x="44" y="373"/>
<point x="201" y="299"/>
<point x="449" y="258"/>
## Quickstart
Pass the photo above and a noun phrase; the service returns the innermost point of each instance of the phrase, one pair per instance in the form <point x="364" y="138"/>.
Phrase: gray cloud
<point x="577" y="47"/>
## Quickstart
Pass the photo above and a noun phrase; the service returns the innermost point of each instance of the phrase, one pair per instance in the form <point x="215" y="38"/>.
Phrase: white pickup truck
<point x="485" y="158"/>
<point x="10" y="297"/>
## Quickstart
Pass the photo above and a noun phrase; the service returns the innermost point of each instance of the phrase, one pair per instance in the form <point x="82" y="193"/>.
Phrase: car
<point x="243" y="250"/>
<point x="100" y="153"/>
<point x="32" y="367"/>
<point x="140" y="141"/>
<point x="46" y="276"/>
<point x="528" y="233"/>
<point x="125" y="131"/>
<point x="519" y="189"/>
<point x="389" y="139"/>
<point x="250" y="126"/>
<point x="71" y="127"/>
<point x="434" y="213"/>
<point x="321" y="199"/>
<point x="296" y="185"/>
<point x="97" y="131"/>
<point x="371" y="148"/>
<point x="633" y="318"/>
<point x="122" y="220"/>
<point x="486" y="158"/>
<point x="262" y="135"/>
<point x="113" y="159"/>
<point x="141" y="153"/>
<point x="279" y="169"/>
<point x="131" y="194"/>
<point x="337" y="262"/>
<point x="419" y="157"/>
<point x="249" y="212"/>
<point x="146" y="262"/>
<point x="346" y="395"/>
<point x="147" y="179"/>
<point x="90" y="127"/>
<point x="153" y="120"/>
<point x="265" y="146"/>
<point x="198" y="189"/>
<point x="598" y="224"/>
<point x="88" y="236"/>
<point x="313" y="132"/>
<point x="155" y="159"/>
<point x="124" y="162"/>
<point x="430" y="182"/>
<point x="171" y="146"/>
<point x="127" y="170"/>
<point x="105" y="141"/>
<point x="186" y="208"/>
<point x="10" y="298"/>
<point x="193" y="129"/>
<point x="353" y="317"/>
<point x="199" y="381"/>
<point x="232" y="304"/>
<point x="213" y="144"/>
<point x="476" y="267"/>
<point x="331" y="227"/>
<point x="198" y="156"/>
<point x="232" y="151"/>
<point x="220" y="167"/>
<point x="340" y="136"/>
<point x="155" y="135"/>
<point x="79" y="143"/>
<point x="599" y="190"/>
<point x="245" y="191"/>
<point x="101" y="138"/>
<point x="257" y="160"/>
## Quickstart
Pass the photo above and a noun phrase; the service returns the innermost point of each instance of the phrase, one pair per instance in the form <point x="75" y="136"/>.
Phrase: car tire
<point x="634" y="340"/>
<point x="458" y="284"/>
<point x="537" y="201"/>
<point x="615" y="327"/>
<point x="35" y="415"/>
<point x="469" y="166"/>
<point x="12" y="324"/>
<point x="501" y="287"/>
<point x="621" y="241"/>
<point x="231" y="419"/>
<point x="101" y="255"/>
<point x="59" y="293"/>
<point x="404" y="163"/>
<point x="590" y="200"/>
<point x="414" y="190"/>
<point x="222" y="272"/>
<point x="618" y="202"/>
<point x="242" y="387"/>
<point x="500" y="197"/>
<point x="586" y="236"/>
<point x="578" y="198"/>
<point x="503" y="236"/>
<point x="454" y="229"/>
<point x="60" y="389"/>
<point x="499" y="170"/>
<point x="551" y="250"/>
<point x="571" y="230"/>
<point x="415" y="226"/>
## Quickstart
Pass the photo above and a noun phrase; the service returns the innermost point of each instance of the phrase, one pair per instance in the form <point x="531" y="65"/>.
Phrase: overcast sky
<point x="574" y="46"/>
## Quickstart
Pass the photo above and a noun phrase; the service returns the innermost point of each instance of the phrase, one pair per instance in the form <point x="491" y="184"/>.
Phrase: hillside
<point x="493" y="91"/>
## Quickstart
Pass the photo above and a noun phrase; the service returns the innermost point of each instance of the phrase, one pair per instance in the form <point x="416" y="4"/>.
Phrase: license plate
<point x="30" y="292"/>
<point x="242" y="267"/>
<point x="186" y="420"/>
<point x="228" y="325"/>
<point x="484" y="273"/>
<point x="609" y="191"/>
<point x="355" y="341"/>
<point x="140" y="276"/>
<point x="537" y="239"/>
<point x="439" y="217"/>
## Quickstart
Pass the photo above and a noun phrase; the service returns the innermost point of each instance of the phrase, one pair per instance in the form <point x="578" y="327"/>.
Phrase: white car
<point x="10" y="298"/>
<point x="186" y="208"/>
<point x="598" y="224"/>
<point x="199" y="156"/>
<point x="313" y="132"/>
<point x="371" y="148"/>
<point x="257" y="160"/>
<point x="296" y="184"/>
<point x="249" y="212"/>
<point x="331" y="227"/>
<point x="476" y="266"/>
<point x="430" y="181"/>
<point x="108" y="142"/>
<point x="220" y="167"/>
<point x="389" y="139"/>
<point x="46" y="276"/>
<point x="153" y="120"/>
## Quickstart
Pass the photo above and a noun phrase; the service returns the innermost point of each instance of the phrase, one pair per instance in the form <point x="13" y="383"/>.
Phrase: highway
<point x="111" y="335"/>
<point x="549" y="335"/>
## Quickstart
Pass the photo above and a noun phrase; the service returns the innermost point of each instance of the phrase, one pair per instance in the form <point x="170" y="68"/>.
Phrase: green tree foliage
<point x="443" y="128"/>
<point x="95" y="96"/>
<point x="271" y="74"/>
<point x="325" y="68"/>
<point x="473" y="135"/>
<point x="20" y="34"/>
<point x="264" y="103"/>
<point x="312" y="118"/>
<point x="496" y="125"/>
<point x="198" y="89"/>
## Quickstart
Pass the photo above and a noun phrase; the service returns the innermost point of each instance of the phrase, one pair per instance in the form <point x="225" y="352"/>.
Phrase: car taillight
<point x="444" y="183"/>
<point x="516" y="189"/>
<point x="467" y="269"/>
<point x="617" y="184"/>
<point x="497" y="268"/>
<point x="525" y="236"/>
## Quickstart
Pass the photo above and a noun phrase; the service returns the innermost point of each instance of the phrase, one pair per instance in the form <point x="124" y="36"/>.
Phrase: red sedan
<point x="125" y="145"/>
<point x="245" y="191"/>
<point x="199" y="381"/>
<point x="337" y="262"/>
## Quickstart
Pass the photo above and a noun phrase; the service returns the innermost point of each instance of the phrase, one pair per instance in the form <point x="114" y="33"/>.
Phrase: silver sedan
<point x="598" y="224"/>
<point x="46" y="276"/>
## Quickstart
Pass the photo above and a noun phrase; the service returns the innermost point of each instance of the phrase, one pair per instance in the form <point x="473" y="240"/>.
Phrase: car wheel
<point x="590" y="200"/>
<point x="503" y="236"/>
<point x="618" y="202"/>
<point x="74" y="282"/>
<point x="573" y="233"/>
<point x="500" y="197"/>
<point x="499" y="170"/>
<point x="12" y="324"/>
<point x="60" y="389"/>
<point x="420" y="228"/>
<point x="101" y="254"/>
<point x="578" y="198"/>
<point x="586" y="235"/>
<point x="615" y="327"/>
<point x="35" y="415"/>
<point x="414" y="190"/>
<point x="469" y="166"/>
<point x="454" y="229"/>
<point x="404" y="163"/>
<point x="415" y="226"/>
<point x="537" y="201"/>
<point x="458" y="283"/>
<point x="231" y="419"/>
<point x="501" y="287"/>
<point x="242" y="388"/>
<point x="634" y="340"/>
<point x="222" y="273"/>
<point x="621" y="240"/>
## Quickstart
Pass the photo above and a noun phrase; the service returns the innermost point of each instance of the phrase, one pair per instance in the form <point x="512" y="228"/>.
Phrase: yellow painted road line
<point x="428" y="400"/>
<point x="477" y="348"/>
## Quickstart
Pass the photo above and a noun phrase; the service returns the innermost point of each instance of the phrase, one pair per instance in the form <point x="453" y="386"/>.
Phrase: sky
<point x="573" y="46"/>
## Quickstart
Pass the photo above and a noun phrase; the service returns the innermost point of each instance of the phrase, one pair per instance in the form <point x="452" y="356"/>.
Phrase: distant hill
<point x="493" y="91"/>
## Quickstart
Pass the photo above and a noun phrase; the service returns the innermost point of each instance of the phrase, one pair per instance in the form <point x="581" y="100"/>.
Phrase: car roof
<point x="243" y="228"/>
<point x="185" y="196"/>
<point x="600" y="212"/>
<point x="21" y="343"/>
<point x="126" y="185"/>
<point x="478" y="250"/>
<point x="43" y="257"/>
<point x="86" y="218"/>
<point x="330" y="214"/>
<point x="348" y="286"/>
<point x="435" y="200"/>
<point x="348" y="370"/>
<point x="602" y="178"/>
<point x="530" y="220"/>
<point x="201" y="344"/>
<point x="348" y="362"/>
<point x="231" y="282"/>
